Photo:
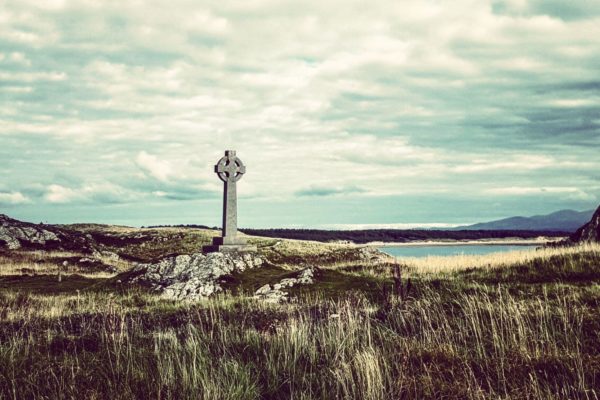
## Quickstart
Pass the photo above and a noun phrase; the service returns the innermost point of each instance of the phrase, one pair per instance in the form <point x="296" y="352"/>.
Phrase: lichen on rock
<point x="194" y="276"/>
<point x="14" y="233"/>
<point x="371" y="254"/>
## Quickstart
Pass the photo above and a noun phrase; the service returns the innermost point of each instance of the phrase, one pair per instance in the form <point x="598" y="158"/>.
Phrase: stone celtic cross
<point x="230" y="170"/>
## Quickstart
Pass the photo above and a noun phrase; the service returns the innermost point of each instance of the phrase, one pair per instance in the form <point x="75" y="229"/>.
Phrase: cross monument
<point x="230" y="170"/>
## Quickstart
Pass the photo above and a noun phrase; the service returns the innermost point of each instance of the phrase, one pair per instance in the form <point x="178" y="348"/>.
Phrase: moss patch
<point x="334" y="284"/>
<point x="250" y="280"/>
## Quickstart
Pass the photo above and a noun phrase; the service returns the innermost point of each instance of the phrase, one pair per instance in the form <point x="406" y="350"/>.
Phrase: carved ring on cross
<point x="230" y="168"/>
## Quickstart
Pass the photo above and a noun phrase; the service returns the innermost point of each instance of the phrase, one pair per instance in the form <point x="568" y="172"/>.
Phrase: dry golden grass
<point x="52" y="263"/>
<point x="437" y="264"/>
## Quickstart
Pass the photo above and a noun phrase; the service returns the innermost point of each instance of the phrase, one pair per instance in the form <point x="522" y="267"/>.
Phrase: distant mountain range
<point x="563" y="220"/>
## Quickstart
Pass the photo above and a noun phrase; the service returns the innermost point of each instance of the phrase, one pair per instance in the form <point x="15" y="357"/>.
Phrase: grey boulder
<point x="275" y="294"/>
<point x="194" y="276"/>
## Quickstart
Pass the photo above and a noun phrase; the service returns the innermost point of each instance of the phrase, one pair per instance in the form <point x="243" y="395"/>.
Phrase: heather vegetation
<point x="521" y="325"/>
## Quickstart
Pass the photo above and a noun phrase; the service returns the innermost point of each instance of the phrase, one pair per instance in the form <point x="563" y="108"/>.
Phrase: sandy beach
<point x="482" y="242"/>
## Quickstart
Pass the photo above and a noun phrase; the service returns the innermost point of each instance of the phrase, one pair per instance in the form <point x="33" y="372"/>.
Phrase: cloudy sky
<point x="345" y="112"/>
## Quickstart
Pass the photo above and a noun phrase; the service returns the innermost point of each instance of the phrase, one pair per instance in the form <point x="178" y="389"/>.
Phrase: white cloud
<point x="517" y="162"/>
<point x="33" y="76"/>
<point x="573" y="193"/>
<point x="17" y="89"/>
<point x="90" y="192"/>
<point x="150" y="164"/>
<point x="13" y="198"/>
<point x="19" y="58"/>
<point x="569" y="103"/>
<point x="60" y="194"/>
<point x="205" y="21"/>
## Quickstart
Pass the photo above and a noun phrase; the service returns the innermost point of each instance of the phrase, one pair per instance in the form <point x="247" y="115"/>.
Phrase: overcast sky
<point x="345" y="112"/>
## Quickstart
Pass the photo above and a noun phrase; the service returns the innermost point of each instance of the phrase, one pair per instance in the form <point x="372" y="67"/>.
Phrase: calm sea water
<point x="424" y="251"/>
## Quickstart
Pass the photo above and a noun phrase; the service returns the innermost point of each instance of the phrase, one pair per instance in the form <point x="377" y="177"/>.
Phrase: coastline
<point x="479" y="242"/>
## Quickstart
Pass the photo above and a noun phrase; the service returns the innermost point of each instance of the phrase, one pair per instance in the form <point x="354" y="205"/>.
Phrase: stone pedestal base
<point x="228" y="244"/>
<point x="224" y="248"/>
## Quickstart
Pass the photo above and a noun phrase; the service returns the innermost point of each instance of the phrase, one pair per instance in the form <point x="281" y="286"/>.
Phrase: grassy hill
<point x="518" y="325"/>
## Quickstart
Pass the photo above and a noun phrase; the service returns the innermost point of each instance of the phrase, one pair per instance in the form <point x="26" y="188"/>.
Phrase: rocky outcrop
<point x="275" y="294"/>
<point x="371" y="254"/>
<point x="590" y="232"/>
<point x="194" y="276"/>
<point x="16" y="234"/>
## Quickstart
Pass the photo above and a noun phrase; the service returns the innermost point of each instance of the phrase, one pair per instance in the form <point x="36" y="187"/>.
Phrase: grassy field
<point x="516" y="326"/>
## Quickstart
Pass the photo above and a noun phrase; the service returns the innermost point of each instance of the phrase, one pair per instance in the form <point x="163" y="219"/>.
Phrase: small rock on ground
<point x="274" y="294"/>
